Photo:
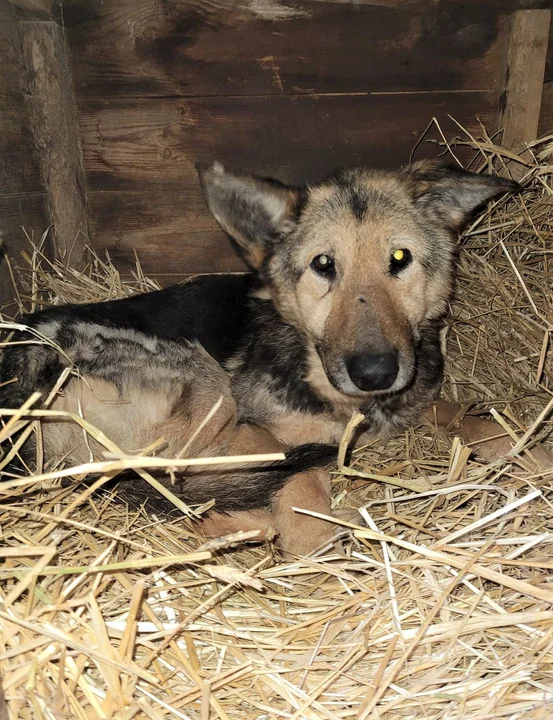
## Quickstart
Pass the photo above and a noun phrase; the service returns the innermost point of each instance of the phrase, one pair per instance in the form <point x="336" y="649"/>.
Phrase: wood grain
<point x="290" y="89"/>
<point x="140" y="144"/>
<point x="521" y="100"/>
<point x="171" y="232"/>
<point x="18" y="213"/>
<point x="18" y="167"/>
<point x="545" y="126"/>
<point x="184" y="48"/>
<point x="549" y="60"/>
<point x="33" y="9"/>
<point x="146" y="157"/>
<point x="56" y="137"/>
<point x="22" y="201"/>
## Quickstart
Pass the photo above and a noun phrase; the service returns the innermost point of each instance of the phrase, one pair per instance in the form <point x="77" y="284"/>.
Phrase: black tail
<point x="233" y="490"/>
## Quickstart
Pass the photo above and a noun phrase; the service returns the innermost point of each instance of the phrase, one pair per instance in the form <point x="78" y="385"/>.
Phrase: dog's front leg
<point x="488" y="438"/>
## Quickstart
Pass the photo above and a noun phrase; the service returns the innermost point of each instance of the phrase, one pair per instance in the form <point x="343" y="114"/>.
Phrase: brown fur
<point x="488" y="438"/>
<point x="360" y="334"/>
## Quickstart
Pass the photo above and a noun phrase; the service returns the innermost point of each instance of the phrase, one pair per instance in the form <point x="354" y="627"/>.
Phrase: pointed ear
<point x="452" y="194"/>
<point x="254" y="212"/>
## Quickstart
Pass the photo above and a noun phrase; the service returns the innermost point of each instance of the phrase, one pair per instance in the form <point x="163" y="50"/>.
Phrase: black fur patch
<point x="277" y="350"/>
<point x="358" y="203"/>
<point x="233" y="491"/>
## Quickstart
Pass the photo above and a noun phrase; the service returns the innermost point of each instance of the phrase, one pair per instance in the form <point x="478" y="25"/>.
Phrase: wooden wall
<point x="546" y="118"/>
<point x="293" y="90"/>
<point x="288" y="88"/>
<point x="22" y="199"/>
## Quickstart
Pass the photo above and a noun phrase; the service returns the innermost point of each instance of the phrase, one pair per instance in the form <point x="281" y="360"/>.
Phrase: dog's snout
<point x="373" y="372"/>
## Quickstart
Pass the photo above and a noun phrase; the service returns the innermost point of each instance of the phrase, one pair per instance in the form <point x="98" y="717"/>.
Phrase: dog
<point x="342" y="309"/>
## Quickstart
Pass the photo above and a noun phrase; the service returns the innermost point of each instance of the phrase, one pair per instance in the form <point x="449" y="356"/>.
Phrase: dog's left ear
<point x="452" y="194"/>
<point x="254" y="212"/>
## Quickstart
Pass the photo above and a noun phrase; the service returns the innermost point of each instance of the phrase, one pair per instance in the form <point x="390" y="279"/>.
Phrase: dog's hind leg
<point x="307" y="489"/>
<point x="184" y="383"/>
<point x="300" y="533"/>
<point x="296" y="533"/>
<point x="297" y="483"/>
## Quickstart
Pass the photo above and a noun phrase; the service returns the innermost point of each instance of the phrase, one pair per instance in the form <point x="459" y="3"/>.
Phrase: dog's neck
<point x="277" y="374"/>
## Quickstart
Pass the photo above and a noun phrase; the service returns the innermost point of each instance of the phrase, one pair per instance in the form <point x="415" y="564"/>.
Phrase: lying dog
<point x="342" y="311"/>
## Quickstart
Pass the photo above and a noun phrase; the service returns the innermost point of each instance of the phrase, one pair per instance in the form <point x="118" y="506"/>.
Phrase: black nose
<point x="373" y="372"/>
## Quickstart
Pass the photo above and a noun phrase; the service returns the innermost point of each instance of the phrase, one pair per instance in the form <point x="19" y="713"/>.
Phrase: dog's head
<point x="357" y="263"/>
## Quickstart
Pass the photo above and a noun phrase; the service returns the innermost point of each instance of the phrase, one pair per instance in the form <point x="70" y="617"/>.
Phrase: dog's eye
<point x="324" y="265"/>
<point x="399" y="260"/>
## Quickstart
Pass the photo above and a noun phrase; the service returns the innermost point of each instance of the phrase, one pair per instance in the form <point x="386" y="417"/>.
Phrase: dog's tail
<point x="248" y="488"/>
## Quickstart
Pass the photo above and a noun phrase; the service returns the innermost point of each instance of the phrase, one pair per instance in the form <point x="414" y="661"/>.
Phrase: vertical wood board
<point x="525" y="68"/>
<point x="56" y="137"/>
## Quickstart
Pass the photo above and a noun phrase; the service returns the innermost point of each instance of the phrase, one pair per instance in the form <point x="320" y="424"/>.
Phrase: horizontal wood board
<point x="160" y="48"/>
<point x="144" y="193"/>
<point x="288" y="89"/>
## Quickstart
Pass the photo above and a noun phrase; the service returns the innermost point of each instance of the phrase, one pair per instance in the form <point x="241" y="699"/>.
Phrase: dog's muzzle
<point x="373" y="372"/>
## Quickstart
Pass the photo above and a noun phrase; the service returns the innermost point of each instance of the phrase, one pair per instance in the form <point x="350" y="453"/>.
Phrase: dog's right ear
<point x="254" y="212"/>
<point x="452" y="194"/>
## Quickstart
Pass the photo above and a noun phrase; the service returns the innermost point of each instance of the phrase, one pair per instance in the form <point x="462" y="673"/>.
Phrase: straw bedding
<point x="440" y="606"/>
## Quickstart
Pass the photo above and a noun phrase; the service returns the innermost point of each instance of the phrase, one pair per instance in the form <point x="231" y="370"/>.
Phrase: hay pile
<point x="442" y="608"/>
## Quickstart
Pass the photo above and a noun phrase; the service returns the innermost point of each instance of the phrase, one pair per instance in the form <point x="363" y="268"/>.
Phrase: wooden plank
<point x="171" y="232"/>
<point x="19" y="170"/>
<point x="549" y="59"/>
<point x="56" y="137"/>
<point x="13" y="71"/>
<point x="140" y="144"/>
<point x="546" y="115"/>
<point x="521" y="100"/>
<point x="34" y="9"/>
<point x="141" y="160"/>
<point x="26" y="211"/>
<point x="184" y="48"/>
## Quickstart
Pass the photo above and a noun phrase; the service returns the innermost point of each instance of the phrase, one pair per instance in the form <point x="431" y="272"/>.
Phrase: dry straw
<point x="439" y="605"/>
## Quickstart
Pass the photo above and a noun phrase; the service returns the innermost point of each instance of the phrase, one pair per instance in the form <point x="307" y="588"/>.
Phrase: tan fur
<point x="366" y="309"/>
<point x="131" y="421"/>
<point x="135" y="420"/>
<point x="486" y="436"/>
<point x="319" y="381"/>
<point x="310" y="491"/>
<point x="314" y="332"/>
<point x="300" y="428"/>
<point x="300" y="534"/>
<point x="218" y="524"/>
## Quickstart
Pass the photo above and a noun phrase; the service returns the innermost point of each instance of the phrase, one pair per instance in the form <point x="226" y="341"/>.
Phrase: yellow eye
<point x="323" y="264"/>
<point x="399" y="260"/>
